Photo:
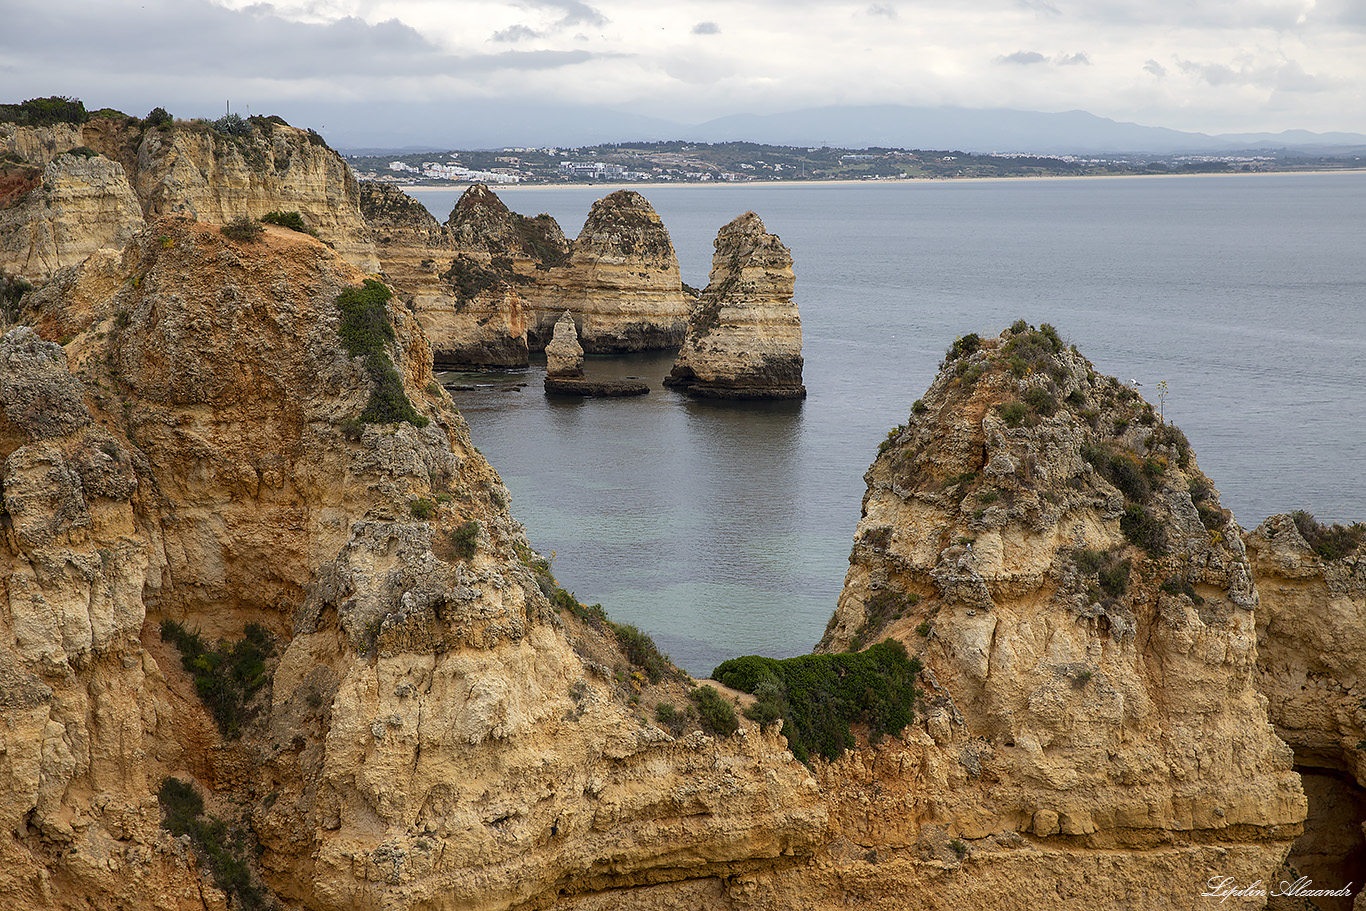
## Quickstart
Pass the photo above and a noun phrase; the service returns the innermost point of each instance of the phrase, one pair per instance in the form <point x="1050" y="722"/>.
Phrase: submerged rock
<point x="744" y="336"/>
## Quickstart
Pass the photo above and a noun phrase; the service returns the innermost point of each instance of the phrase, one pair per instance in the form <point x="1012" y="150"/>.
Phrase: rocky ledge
<point x="744" y="336"/>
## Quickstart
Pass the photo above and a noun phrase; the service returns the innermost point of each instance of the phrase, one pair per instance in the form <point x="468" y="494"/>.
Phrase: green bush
<point x="1178" y="586"/>
<point x="1041" y="400"/>
<point x="83" y="152"/>
<point x="1142" y="528"/>
<point x="39" y="112"/>
<point x="157" y="117"/>
<point x="641" y="651"/>
<point x="1330" y="542"/>
<point x="963" y="346"/>
<point x="242" y="229"/>
<point x="225" y="849"/>
<point x="12" y="289"/>
<point x="422" y="508"/>
<point x="291" y="220"/>
<point x="227" y="676"/>
<point x="465" y="539"/>
<point x="822" y="695"/>
<point x="1014" y="413"/>
<point x="671" y="718"/>
<point x="232" y="125"/>
<point x="880" y="609"/>
<point x="1120" y="468"/>
<point x="716" y="714"/>
<point x="366" y="331"/>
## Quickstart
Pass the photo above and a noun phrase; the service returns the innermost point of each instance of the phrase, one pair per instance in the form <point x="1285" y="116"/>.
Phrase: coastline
<point x="654" y="185"/>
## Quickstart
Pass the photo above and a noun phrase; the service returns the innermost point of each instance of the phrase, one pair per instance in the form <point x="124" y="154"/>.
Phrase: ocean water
<point x="725" y="529"/>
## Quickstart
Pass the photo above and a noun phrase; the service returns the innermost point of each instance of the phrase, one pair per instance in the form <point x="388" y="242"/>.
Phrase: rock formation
<point x="434" y="731"/>
<point x="744" y="336"/>
<point x="77" y="206"/>
<point x="1311" y="666"/>
<point x="1089" y="633"/>
<point x="181" y="168"/>
<point x="564" y="354"/>
<point x="564" y="367"/>
<point x="502" y="279"/>
<point x="622" y="281"/>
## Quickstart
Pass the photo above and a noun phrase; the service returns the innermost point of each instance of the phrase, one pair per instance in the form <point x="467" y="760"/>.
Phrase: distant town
<point x="734" y="162"/>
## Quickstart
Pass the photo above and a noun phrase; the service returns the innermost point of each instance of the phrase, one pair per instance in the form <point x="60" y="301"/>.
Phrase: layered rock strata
<point x="564" y="367"/>
<point x="435" y="733"/>
<point x="622" y="281"/>
<point x="1089" y="634"/>
<point x="744" y="336"/>
<point x="1311" y="666"/>
<point x="184" y="168"/>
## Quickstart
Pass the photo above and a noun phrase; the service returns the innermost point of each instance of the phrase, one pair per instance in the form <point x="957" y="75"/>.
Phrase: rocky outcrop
<point x="435" y="732"/>
<point x="564" y="354"/>
<point x="564" y="367"/>
<point x="1089" y="633"/>
<point x="744" y="336"/>
<point x="187" y="168"/>
<point x="472" y="317"/>
<point x="79" y="205"/>
<point x="622" y="281"/>
<point x="1311" y="666"/>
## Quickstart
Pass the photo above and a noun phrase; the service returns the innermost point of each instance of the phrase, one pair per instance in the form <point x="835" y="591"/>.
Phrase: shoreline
<point x="654" y="185"/>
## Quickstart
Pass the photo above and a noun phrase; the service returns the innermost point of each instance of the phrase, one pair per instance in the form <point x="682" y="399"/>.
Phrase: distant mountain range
<point x="474" y="125"/>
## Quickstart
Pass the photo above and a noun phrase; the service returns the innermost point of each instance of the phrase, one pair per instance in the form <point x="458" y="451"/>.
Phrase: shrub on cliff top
<point x="820" y="696"/>
<point x="243" y="230"/>
<point x="366" y="331"/>
<point x="39" y="112"/>
<point x="715" y="712"/>
<point x="1330" y="542"/>
<point x="291" y="220"/>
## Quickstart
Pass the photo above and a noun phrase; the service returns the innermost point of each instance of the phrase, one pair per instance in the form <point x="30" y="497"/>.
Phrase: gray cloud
<point x="514" y="33"/>
<point x="575" y="12"/>
<point x="706" y="28"/>
<point x="1077" y="59"/>
<point x="882" y="9"/>
<point x="1287" y="76"/>
<point x="1039" y="6"/>
<point x="1023" y="58"/>
<point x="1157" y="69"/>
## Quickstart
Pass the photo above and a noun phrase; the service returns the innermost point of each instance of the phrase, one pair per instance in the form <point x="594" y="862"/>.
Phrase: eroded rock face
<point x="564" y="354"/>
<point x="435" y="732"/>
<point x="187" y="169"/>
<point x="1085" y="610"/>
<point x="622" y="281"/>
<point x="79" y="206"/>
<point x="744" y="336"/>
<point x="1311" y="666"/>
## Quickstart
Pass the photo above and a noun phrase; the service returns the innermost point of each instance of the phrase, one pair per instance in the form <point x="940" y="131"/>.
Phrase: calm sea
<point x="725" y="529"/>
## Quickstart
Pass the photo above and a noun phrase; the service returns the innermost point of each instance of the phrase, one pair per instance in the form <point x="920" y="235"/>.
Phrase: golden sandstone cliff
<point x="1123" y="696"/>
<point x="490" y="284"/>
<point x="744" y="337"/>
<point x="167" y="168"/>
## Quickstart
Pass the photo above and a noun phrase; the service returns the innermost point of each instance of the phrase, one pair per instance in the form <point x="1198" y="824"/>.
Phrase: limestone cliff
<point x="78" y="205"/>
<point x="1085" y="609"/>
<point x="744" y="336"/>
<point x="179" y="168"/>
<point x="622" y="281"/>
<point x="435" y="732"/>
<point x="1311" y="666"/>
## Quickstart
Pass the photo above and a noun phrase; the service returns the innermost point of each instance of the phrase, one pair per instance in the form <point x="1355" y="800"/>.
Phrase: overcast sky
<point x="1211" y="66"/>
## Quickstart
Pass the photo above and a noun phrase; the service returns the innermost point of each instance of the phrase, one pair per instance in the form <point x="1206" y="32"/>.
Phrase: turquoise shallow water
<point x="725" y="529"/>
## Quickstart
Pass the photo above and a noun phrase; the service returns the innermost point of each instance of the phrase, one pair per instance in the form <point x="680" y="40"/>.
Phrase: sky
<point x="1212" y="66"/>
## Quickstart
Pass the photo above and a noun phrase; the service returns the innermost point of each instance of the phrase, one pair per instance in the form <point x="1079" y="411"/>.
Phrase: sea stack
<point x="744" y="336"/>
<point x="564" y="354"/>
<point x="564" y="367"/>
<point x="622" y="281"/>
